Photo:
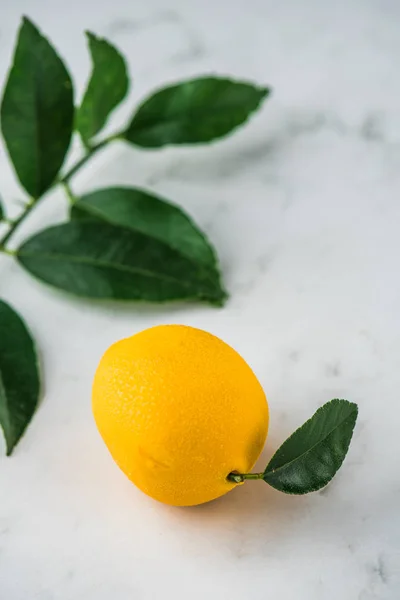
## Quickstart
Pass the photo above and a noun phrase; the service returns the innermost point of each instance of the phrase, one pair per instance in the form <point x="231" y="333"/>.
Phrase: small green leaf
<point x="2" y="213"/>
<point x="146" y="213"/>
<point x="19" y="376"/>
<point x="98" y="260"/>
<point x="37" y="111"/>
<point x="311" y="456"/>
<point x="193" y="112"/>
<point x="107" y="87"/>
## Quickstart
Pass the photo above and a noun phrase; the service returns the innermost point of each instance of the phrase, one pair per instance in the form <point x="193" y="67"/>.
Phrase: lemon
<point x="179" y="410"/>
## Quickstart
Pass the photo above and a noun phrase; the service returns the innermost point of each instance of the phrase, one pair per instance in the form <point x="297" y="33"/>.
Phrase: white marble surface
<point x="304" y="208"/>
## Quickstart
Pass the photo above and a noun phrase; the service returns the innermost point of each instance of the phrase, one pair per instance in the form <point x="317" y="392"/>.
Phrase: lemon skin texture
<point x="179" y="410"/>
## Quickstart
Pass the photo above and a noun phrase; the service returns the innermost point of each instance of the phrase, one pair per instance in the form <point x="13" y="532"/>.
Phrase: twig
<point x="64" y="181"/>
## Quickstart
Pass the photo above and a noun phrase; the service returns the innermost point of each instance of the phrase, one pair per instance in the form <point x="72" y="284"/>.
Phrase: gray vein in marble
<point x="234" y="163"/>
<point x="372" y="128"/>
<point x="380" y="569"/>
<point x="377" y="579"/>
<point x="194" y="46"/>
<point x="221" y="208"/>
<point x="369" y="338"/>
<point x="211" y="169"/>
<point x="296" y="126"/>
<point x="123" y="26"/>
<point x="333" y="369"/>
<point x="195" y="50"/>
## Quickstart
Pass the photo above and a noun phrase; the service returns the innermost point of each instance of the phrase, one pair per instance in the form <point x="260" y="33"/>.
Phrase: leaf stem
<point x="68" y="191"/>
<point x="16" y="223"/>
<point x="63" y="181"/>
<point x="89" y="154"/>
<point x="241" y="477"/>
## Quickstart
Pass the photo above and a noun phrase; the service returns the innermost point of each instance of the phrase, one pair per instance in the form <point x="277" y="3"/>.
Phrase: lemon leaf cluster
<point x="118" y="243"/>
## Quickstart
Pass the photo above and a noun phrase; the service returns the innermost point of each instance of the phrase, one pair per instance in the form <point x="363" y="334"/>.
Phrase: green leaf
<point x="37" y="111"/>
<point x="311" y="456"/>
<point x="193" y="112"/>
<point x="19" y="376"/>
<point x="146" y="213"/>
<point x="107" y="87"/>
<point x="98" y="260"/>
<point x="2" y="213"/>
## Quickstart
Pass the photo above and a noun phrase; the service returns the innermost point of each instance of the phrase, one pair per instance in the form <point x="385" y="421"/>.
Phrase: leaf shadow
<point x="246" y="509"/>
<point x="252" y="500"/>
<point x="120" y="308"/>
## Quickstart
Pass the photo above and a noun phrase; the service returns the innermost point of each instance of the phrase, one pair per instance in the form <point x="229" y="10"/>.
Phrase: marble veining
<point x="194" y="47"/>
<point x="302" y="206"/>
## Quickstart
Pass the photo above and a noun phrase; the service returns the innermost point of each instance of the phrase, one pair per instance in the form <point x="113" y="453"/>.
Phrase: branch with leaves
<point x="125" y="243"/>
<point x="119" y="243"/>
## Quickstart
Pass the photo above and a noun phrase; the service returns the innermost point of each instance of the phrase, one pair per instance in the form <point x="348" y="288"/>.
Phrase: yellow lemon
<point x="179" y="410"/>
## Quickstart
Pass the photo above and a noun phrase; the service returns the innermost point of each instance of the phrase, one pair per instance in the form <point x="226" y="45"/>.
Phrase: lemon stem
<point x="240" y="477"/>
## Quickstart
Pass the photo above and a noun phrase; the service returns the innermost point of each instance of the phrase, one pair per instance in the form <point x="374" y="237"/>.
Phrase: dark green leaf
<point x="107" y="87"/>
<point x="19" y="376"/>
<point x="37" y="111"/>
<point x="193" y="112"/>
<point x="143" y="212"/>
<point x="311" y="456"/>
<point x="98" y="260"/>
<point x="2" y="213"/>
